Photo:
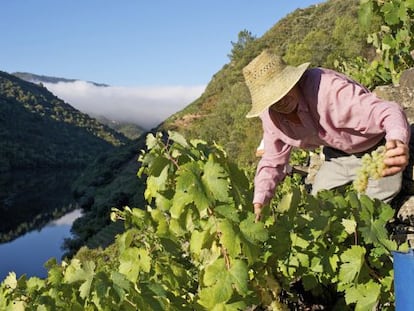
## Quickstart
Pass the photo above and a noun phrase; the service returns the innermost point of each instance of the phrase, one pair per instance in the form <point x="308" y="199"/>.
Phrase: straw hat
<point x="269" y="79"/>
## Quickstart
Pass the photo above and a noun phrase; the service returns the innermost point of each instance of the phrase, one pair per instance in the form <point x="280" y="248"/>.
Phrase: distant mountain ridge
<point x="130" y="130"/>
<point x="34" y="78"/>
<point x="37" y="129"/>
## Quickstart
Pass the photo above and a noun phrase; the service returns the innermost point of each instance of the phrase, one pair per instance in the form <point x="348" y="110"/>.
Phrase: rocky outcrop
<point x="404" y="202"/>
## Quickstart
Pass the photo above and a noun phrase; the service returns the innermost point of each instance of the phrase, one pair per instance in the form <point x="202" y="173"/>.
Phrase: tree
<point x="245" y="38"/>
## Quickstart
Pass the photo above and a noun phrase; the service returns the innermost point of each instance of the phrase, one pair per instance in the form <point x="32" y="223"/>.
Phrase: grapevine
<point x="372" y="167"/>
<point x="196" y="246"/>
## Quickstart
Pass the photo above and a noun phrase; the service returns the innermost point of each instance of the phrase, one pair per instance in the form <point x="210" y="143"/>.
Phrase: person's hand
<point x="396" y="157"/>
<point x="257" y="210"/>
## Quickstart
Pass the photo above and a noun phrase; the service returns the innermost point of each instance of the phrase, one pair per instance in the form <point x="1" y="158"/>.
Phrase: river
<point x="28" y="253"/>
<point x="36" y="215"/>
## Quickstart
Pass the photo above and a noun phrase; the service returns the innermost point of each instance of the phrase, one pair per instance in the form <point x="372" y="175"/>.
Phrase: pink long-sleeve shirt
<point x="337" y="112"/>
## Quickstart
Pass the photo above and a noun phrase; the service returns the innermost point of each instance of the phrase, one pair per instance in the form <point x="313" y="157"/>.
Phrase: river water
<point x="36" y="215"/>
<point x="28" y="253"/>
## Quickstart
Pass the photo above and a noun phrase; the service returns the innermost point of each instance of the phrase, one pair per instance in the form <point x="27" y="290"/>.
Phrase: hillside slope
<point x="37" y="129"/>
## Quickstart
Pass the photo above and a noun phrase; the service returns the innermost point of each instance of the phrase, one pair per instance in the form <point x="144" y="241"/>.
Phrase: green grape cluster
<point x="372" y="167"/>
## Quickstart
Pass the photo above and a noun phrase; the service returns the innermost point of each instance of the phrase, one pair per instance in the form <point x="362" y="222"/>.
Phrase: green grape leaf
<point x="81" y="271"/>
<point x="151" y="141"/>
<point x="390" y="13"/>
<point x="212" y="296"/>
<point x="349" y="225"/>
<point x="228" y="211"/>
<point x="286" y="203"/>
<point x="367" y="208"/>
<point x="236" y="275"/>
<point x="240" y="187"/>
<point x="159" y="165"/>
<point x="124" y="241"/>
<point x="178" y="138"/>
<point x="179" y="202"/>
<point x="189" y="185"/>
<point x="214" y="272"/>
<point x="253" y="231"/>
<point x="120" y="284"/>
<point x="298" y="241"/>
<point x="197" y="240"/>
<point x="152" y="188"/>
<point x="11" y="281"/>
<point x="235" y="306"/>
<point x="55" y="275"/>
<point x="35" y="283"/>
<point x="386" y="213"/>
<point x="365" y="296"/>
<point x="162" y="202"/>
<point x="229" y="238"/>
<point x="239" y="276"/>
<point x="374" y="228"/>
<point x="17" y="306"/>
<point x="132" y="261"/>
<point x="215" y="180"/>
<point x="352" y="262"/>
<point x="354" y="200"/>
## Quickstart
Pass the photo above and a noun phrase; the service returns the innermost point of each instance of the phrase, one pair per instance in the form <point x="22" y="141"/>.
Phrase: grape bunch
<point x="372" y="167"/>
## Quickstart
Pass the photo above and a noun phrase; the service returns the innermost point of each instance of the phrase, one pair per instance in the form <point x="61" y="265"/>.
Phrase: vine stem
<point x="219" y="233"/>
<point x="166" y="150"/>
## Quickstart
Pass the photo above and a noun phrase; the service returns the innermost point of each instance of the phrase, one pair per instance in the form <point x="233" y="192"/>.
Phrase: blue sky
<point x="131" y="42"/>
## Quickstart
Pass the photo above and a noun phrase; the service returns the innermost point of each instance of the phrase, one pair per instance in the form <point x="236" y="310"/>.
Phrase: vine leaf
<point x="365" y="296"/>
<point x="230" y="238"/>
<point x="178" y="138"/>
<point x="11" y="280"/>
<point x="236" y="275"/>
<point x="81" y="272"/>
<point x="349" y="225"/>
<point x="132" y="261"/>
<point x="215" y="180"/>
<point x="352" y="261"/>
<point x="253" y="231"/>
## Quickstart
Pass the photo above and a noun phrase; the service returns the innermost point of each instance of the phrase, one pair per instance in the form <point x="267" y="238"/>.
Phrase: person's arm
<point x="271" y="167"/>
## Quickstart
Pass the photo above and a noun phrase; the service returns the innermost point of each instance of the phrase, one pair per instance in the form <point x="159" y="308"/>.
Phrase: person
<point x="307" y="108"/>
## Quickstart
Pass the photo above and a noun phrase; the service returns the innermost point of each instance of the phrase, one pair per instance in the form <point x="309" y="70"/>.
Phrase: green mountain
<point x="320" y="34"/>
<point x="130" y="130"/>
<point x="37" y="129"/>
<point x="30" y="77"/>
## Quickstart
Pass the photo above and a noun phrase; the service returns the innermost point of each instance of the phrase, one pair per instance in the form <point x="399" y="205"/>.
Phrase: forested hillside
<point x="37" y="129"/>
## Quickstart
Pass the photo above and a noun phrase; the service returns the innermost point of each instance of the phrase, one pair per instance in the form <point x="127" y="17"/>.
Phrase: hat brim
<point x="276" y="88"/>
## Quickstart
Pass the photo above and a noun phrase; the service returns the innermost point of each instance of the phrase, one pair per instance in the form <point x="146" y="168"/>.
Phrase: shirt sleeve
<point x="271" y="168"/>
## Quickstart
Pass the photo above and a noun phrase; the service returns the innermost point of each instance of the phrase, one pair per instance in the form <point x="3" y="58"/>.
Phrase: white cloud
<point x="145" y="106"/>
